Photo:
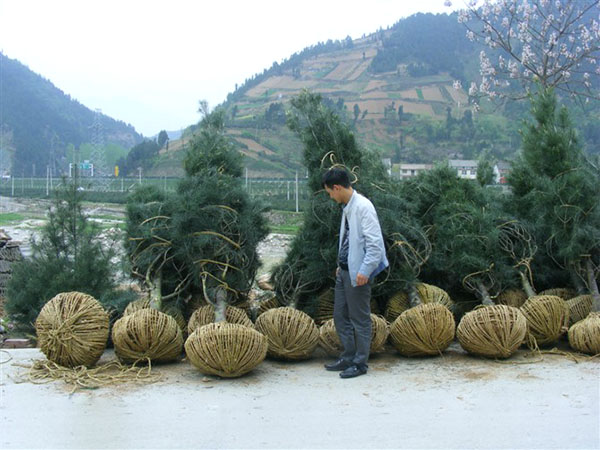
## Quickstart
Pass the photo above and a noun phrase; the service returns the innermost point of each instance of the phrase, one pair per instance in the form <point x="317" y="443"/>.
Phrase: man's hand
<point x="361" y="279"/>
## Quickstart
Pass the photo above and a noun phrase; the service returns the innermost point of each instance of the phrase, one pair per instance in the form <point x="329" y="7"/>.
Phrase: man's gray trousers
<point x="352" y="318"/>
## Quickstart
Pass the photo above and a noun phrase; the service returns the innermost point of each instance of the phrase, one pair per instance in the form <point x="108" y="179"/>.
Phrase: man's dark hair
<point x="336" y="175"/>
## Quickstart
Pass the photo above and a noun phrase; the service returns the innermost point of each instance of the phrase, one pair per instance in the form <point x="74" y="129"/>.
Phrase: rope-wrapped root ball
<point x="330" y="342"/>
<point x="206" y="314"/>
<point x="147" y="334"/>
<point x="547" y="317"/>
<point x="426" y="329"/>
<point x="427" y="293"/>
<point x="226" y="349"/>
<point x="136" y="305"/>
<point x="396" y="305"/>
<point x="292" y="334"/>
<point x="325" y="300"/>
<point x="584" y="336"/>
<point x="492" y="331"/>
<point x="72" y="329"/>
<point x="564" y="293"/>
<point x="267" y="303"/>
<point x="579" y="308"/>
<point x="512" y="297"/>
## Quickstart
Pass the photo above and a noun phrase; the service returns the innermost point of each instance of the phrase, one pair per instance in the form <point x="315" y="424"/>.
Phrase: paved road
<point x="450" y="402"/>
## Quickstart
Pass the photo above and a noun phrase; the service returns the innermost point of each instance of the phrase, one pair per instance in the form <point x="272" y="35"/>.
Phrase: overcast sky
<point x="149" y="62"/>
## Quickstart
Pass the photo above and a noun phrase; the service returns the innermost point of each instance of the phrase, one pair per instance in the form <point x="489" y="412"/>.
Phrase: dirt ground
<point x="450" y="402"/>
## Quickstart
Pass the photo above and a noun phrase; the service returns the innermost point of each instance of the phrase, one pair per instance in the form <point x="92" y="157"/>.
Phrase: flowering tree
<point x="553" y="43"/>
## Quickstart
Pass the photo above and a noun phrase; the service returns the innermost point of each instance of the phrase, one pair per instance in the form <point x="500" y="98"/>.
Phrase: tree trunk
<point x="221" y="305"/>
<point x="580" y="287"/>
<point x="526" y="285"/>
<point x="486" y="300"/>
<point x="592" y="284"/>
<point x="156" y="292"/>
<point x="413" y="296"/>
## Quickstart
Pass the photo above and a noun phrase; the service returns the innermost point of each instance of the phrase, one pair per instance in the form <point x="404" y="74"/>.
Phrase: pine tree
<point x="69" y="256"/>
<point x="309" y="266"/>
<point x="202" y="239"/>
<point x="556" y="190"/>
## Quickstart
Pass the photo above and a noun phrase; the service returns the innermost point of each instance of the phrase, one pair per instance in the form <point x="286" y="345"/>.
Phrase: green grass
<point x="10" y="218"/>
<point x="420" y="94"/>
<point x="285" y="222"/>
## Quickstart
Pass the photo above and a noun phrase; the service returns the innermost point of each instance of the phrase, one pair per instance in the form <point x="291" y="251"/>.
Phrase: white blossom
<point x="457" y="85"/>
<point x="473" y="89"/>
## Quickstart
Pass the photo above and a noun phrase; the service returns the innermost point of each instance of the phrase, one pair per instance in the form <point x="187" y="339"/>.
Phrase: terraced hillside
<point x="384" y="108"/>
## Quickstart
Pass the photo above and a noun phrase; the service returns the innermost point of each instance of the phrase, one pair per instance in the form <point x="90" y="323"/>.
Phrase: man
<point x="361" y="257"/>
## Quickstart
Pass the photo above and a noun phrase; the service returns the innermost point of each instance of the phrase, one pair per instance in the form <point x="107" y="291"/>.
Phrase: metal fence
<point x="277" y="193"/>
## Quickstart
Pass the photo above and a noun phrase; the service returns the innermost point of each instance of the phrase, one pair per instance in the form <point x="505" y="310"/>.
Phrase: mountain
<point x="40" y="124"/>
<point x="394" y="87"/>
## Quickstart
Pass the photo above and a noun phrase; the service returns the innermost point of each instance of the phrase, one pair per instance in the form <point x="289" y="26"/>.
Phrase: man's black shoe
<point x="354" y="371"/>
<point x="340" y="364"/>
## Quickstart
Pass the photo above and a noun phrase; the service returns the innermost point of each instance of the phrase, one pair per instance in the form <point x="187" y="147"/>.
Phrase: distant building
<point x="387" y="163"/>
<point x="406" y="170"/>
<point x="465" y="168"/>
<point x="501" y="169"/>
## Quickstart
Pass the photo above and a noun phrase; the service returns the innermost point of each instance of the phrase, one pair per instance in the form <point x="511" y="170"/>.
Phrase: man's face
<point x="334" y="192"/>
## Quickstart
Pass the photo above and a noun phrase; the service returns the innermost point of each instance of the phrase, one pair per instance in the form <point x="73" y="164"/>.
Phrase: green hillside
<point x="40" y="124"/>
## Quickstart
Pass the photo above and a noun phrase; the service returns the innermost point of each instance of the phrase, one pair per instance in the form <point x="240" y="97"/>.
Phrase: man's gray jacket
<point x="366" y="251"/>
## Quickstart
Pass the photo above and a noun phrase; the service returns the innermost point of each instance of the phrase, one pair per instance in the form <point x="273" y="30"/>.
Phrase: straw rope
<point x="72" y="329"/>
<point x="492" y="331"/>
<point x="584" y="336"/>
<point x="564" y="293"/>
<point x="330" y="341"/>
<point x="136" y="305"/>
<point x="433" y="294"/>
<point x="512" y="297"/>
<point x="428" y="293"/>
<point x="147" y="333"/>
<point x="8" y="356"/>
<point x="226" y="349"/>
<point x="111" y="373"/>
<point x="169" y="309"/>
<point x="267" y="304"/>
<point x="291" y="334"/>
<point x="325" y="301"/>
<point x="206" y="314"/>
<point x="396" y="305"/>
<point x="176" y="314"/>
<point x="579" y="308"/>
<point x="547" y="317"/>
<point x="426" y="329"/>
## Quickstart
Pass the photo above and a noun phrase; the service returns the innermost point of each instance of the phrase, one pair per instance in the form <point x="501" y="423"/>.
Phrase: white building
<point x="465" y="168"/>
<point x="406" y="170"/>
